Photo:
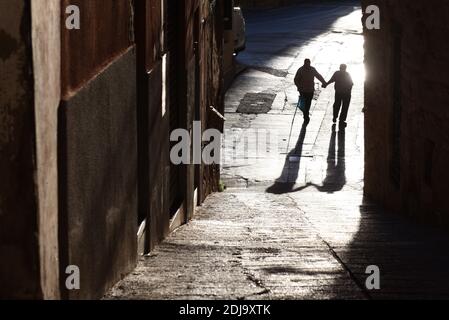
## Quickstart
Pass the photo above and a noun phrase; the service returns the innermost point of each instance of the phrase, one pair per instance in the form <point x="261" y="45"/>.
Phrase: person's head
<point x="343" y="67"/>
<point x="307" y="62"/>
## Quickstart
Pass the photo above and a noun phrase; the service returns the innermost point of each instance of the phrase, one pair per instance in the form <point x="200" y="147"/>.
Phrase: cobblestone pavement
<point x="293" y="223"/>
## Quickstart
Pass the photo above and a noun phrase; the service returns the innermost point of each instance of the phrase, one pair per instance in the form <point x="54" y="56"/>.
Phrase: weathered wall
<point x="173" y="35"/>
<point x="105" y="33"/>
<point x="213" y="88"/>
<point x="98" y="179"/>
<point x="194" y="82"/>
<point x="72" y="152"/>
<point x="47" y="78"/>
<point x="98" y="147"/>
<point x="153" y="124"/>
<point x="205" y="85"/>
<point x="19" y="248"/>
<point x="407" y="94"/>
<point x="159" y="164"/>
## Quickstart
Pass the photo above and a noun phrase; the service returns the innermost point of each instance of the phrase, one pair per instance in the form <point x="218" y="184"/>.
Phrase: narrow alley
<point x="293" y="222"/>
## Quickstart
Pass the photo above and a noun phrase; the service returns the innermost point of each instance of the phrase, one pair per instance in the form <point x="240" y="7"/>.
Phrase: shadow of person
<point x="290" y="171"/>
<point x="407" y="253"/>
<point x="336" y="163"/>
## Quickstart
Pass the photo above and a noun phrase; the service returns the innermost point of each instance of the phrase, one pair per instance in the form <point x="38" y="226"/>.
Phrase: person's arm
<point x="320" y="77"/>
<point x="298" y="78"/>
<point x="351" y="83"/>
<point x="332" y="80"/>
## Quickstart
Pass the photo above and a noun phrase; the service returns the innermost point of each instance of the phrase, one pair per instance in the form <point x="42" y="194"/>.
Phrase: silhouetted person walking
<point x="305" y="82"/>
<point x="343" y="89"/>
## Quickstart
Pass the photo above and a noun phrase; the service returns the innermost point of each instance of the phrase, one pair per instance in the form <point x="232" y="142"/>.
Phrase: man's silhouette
<point x="305" y="82"/>
<point x="343" y="89"/>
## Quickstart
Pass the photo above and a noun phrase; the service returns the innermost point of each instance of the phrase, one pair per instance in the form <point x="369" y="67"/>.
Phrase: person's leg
<point x="308" y="98"/>
<point x="345" y="109"/>
<point x="337" y="106"/>
<point x="305" y="111"/>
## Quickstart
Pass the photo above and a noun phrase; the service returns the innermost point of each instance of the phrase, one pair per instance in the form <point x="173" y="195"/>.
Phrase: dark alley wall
<point x="105" y="33"/>
<point x="85" y="121"/>
<point x="407" y="128"/>
<point x="98" y="147"/>
<point x="153" y="127"/>
<point x="19" y="248"/>
<point x="212" y="59"/>
<point x="29" y="98"/>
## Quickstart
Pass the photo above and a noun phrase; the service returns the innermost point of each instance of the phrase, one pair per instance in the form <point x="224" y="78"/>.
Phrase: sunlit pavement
<point x="293" y="223"/>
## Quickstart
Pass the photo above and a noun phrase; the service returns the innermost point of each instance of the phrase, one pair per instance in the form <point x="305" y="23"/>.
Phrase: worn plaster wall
<point x="105" y="32"/>
<point x="69" y="133"/>
<point x="46" y="46"/>
<point x="98" y="179"/>
<point x="213" y="85"/>
<point x="98" y="146"/>
<point x="159" y="164"/>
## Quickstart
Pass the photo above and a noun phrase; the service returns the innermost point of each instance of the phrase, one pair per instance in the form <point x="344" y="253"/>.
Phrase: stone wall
<point x="407" y="128"/>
